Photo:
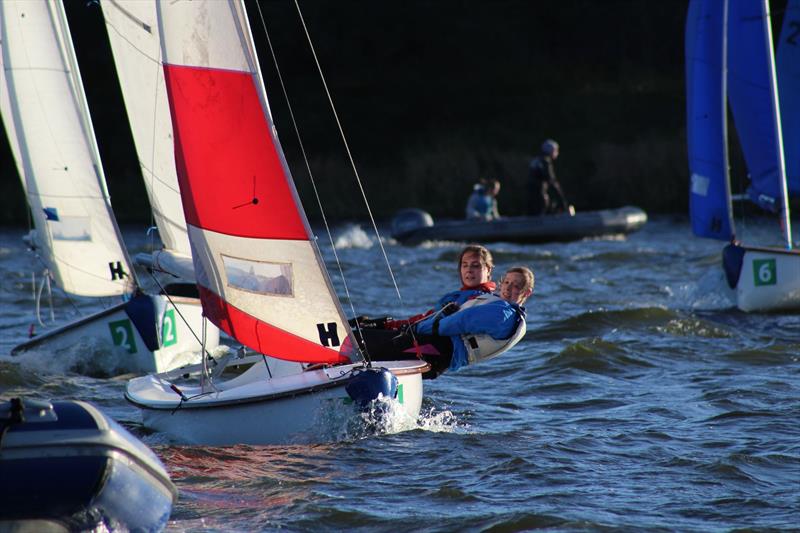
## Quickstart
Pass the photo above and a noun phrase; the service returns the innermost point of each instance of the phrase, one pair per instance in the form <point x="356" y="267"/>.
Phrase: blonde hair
<point x="527" y="273"/>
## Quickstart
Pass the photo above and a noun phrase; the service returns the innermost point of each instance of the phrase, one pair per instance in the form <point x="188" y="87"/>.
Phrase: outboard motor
<point x="407" y="220"/>
<point x="370" y="383"/>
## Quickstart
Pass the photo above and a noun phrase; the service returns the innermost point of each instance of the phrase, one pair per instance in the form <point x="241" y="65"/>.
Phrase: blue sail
<point x="709" y="198"/>
<point x="751" y="101"/>
<point x="788" y="66"/>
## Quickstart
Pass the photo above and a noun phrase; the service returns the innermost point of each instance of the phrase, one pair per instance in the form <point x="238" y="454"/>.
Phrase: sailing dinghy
<point x="730" y="60"/>
<point x="260" y="274"/>
<point x="47" y="120"/>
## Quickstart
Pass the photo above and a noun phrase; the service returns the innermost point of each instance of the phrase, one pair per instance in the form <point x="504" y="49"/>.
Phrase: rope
<point x="349" y="154"/>
<point x="365" y="353"/>
<point x="201" y="342"/>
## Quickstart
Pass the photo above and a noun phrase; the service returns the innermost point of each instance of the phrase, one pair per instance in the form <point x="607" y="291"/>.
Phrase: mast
<point x="724" y="103"/>
<point x="786" y="224"/>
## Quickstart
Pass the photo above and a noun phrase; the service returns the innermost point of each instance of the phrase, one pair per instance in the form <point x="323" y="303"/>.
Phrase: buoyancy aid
<point x="482" y="347"/>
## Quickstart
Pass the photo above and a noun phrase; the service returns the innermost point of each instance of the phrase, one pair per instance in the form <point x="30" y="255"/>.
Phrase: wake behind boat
<point x="414" y="226"/>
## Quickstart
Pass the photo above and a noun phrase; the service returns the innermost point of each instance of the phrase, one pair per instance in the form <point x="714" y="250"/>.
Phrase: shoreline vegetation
<point x="433" y="96"/>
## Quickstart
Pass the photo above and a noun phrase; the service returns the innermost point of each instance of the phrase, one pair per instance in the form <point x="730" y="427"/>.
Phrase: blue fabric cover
<point x="142" y="311"/>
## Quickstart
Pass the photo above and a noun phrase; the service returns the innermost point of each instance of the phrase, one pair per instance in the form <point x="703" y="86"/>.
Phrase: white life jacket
<point x="482" y="347"/>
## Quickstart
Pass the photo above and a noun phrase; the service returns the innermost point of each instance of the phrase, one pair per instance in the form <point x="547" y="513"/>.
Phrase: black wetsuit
<point x="542" y="178"/>
<point x="394" y="345"/>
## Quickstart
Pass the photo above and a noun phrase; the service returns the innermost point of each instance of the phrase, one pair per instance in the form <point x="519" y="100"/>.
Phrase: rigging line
<point x="47" y="273"/>
<point x="175" y="306"/>
<point x="305" y="156"/>
<point x="313" y="183"/>
<point x="349" y="154"/>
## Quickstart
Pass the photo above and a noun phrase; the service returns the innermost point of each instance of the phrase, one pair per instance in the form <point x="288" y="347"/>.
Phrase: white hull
<point x="769" y="280"/>
<point x="113" y="334"/>
<point x="252" y="408"/>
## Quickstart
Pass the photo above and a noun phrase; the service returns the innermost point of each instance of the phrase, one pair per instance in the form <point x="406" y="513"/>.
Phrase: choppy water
<point x="639" y="399"/>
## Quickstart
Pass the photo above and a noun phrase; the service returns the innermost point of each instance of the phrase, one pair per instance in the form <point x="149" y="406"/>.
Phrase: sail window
<point x="259" y="276"/>
<point x="70" y="228"/>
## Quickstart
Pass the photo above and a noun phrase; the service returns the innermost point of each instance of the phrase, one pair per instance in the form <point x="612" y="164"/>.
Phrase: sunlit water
<point x="639" y="398"/>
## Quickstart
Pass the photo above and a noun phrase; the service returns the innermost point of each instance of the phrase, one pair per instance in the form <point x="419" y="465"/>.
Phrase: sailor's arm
<point x="497" y="319"/>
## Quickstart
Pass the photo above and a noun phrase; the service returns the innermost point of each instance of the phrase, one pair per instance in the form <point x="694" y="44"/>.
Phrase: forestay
<point x="47" y="119"/>
<point x="260" y="275"/>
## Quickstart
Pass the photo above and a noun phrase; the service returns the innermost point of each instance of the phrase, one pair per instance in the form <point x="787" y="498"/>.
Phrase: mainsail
<point x="260" y="275"/>
<point x="709" y="200"/>
<point x="136" y="46"/>
<point x="788" y="66"/>
<point x="47" y="119"/>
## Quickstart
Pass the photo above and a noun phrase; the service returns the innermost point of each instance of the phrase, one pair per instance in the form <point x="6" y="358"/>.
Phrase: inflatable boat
<point x="65" y="466"/>
<point x="414" y="226"/>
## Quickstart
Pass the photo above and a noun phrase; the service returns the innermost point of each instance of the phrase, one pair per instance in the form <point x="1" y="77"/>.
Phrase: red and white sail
<point x="47" y="120"/>
<point x="260" y="275"/>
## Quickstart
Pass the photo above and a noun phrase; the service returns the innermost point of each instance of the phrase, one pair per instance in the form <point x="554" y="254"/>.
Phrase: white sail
<point x="260" y="276"/>
<point x="56" y="153"/>
<point x="135" y="43"/>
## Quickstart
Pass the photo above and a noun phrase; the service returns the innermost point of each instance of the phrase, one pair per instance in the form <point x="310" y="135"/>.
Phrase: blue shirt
<point x="481" y="204"/>
<point x="497" y="319"/>
<point x="460" y="296"/>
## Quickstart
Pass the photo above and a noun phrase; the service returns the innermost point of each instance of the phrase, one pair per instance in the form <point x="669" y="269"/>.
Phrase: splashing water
<point x="352" y="236"/>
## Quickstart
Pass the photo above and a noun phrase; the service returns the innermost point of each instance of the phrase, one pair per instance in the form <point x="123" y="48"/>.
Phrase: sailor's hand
<point x="405" y="330"/>
<point x="366" y="322"/>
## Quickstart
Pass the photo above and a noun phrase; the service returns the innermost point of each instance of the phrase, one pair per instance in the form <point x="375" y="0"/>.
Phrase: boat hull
<point x="155" y="335"/>
<point x="530" y="229"/>
<point x="254" y="408"/>
<point x="73" y="468"/>
<point x="769" y="280"/>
